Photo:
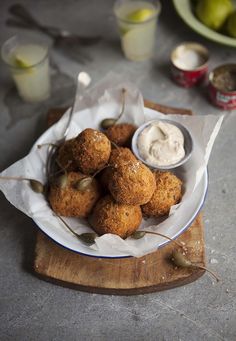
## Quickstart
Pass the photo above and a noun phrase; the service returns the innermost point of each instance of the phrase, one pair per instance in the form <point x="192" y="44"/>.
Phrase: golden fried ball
<point x="117" y="155"/>
<point x="91" y="150"/>
<point x="69" y="201"/>
<point x="109" y="216"/>
<point x="167" y="194"/>
<point x="132" y="183"/>
<point x="121" y="154"/>
<point x="121" y="134"/>
<point x="65" y="156"/>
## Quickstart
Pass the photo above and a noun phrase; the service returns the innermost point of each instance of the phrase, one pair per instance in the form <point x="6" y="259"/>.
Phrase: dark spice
<point x="225" y="80"/>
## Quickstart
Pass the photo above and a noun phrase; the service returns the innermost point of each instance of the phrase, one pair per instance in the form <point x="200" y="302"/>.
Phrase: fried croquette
<point x="121" y="155"/>
<point x="65" y="157"/>
<point x="109" y="216"/>
<point x="167" y="194"/>
<point x="91" y="150"/>
<point x="132" y="183"/>
<point x="70" y="202"/>
<point x="117" y="155"/>
<point x="121" y="134"/>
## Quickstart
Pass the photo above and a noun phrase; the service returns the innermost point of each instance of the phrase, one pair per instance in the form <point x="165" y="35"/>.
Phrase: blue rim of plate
<point x="184" y="228"/>
<point x="191" y="21"/>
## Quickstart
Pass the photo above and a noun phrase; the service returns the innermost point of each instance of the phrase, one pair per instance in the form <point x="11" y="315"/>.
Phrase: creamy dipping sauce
<point x="161" y="144"/>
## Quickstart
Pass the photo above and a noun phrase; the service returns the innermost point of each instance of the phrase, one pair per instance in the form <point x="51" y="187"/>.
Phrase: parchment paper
<point x="103" y="101"/>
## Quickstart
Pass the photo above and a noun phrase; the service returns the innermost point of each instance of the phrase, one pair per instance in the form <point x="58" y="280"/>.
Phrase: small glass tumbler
<point x="29" y="66"/>
<point x="137" y="21"/>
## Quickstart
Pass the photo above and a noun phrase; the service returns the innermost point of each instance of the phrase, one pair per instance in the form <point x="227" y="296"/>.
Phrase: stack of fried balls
<point x="103" y="181"/>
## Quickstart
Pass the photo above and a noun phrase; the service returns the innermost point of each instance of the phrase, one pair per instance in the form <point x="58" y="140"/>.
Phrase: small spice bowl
<point x="222" y="86"/>
<point x="187" y="145"/>
<point x="189" y="64"/>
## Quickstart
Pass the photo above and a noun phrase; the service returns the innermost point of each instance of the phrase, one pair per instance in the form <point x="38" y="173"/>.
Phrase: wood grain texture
<point x="127" y="276"/>
<point x="153" y="272"/>
<point x="167" y="110"/>
<point x="55" y="113"/>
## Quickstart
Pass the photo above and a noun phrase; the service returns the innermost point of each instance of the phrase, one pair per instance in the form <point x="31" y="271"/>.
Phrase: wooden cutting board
<point x="127" y="276"/>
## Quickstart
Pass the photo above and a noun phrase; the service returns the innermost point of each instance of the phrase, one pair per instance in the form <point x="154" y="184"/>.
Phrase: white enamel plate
<point x="172" y="226"/>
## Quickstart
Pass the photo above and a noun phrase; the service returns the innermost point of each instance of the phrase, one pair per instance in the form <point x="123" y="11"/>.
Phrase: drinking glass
<point x="137" y="21"/>
<point x="29" y="66"/>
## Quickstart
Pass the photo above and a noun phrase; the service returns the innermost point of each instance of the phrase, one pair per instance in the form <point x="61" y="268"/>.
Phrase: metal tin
<point x="222" y="86"/>
<point x="189" y="64"/>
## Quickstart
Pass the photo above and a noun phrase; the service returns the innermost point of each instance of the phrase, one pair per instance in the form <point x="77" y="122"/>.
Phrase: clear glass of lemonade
<point x="137" y="26"/>
<point x="29" y="66"/>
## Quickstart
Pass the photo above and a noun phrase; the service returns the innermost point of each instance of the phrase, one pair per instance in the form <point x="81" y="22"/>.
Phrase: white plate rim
<point x="184" y="228"/>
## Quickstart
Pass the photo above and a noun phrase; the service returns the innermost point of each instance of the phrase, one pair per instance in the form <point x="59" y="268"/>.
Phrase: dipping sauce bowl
<point x="187" y="144"/>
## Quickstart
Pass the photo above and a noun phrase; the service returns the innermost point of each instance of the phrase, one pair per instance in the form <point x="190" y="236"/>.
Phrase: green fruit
<point x="231" y="24"/>
<point x="213" y="13"/>
<point x="140" y="15"/>
<point x="21" y="63"/>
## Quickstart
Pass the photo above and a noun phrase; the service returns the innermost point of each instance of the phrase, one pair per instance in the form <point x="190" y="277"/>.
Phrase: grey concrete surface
<point x="31" y="309"/>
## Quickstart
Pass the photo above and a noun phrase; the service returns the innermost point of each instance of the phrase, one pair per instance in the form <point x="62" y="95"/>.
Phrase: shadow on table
<point x="175" y="27"/>
<point x="20" y="231"/>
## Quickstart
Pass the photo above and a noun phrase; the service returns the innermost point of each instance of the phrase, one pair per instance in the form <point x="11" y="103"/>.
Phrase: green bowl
<point x="184" y="10"/>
